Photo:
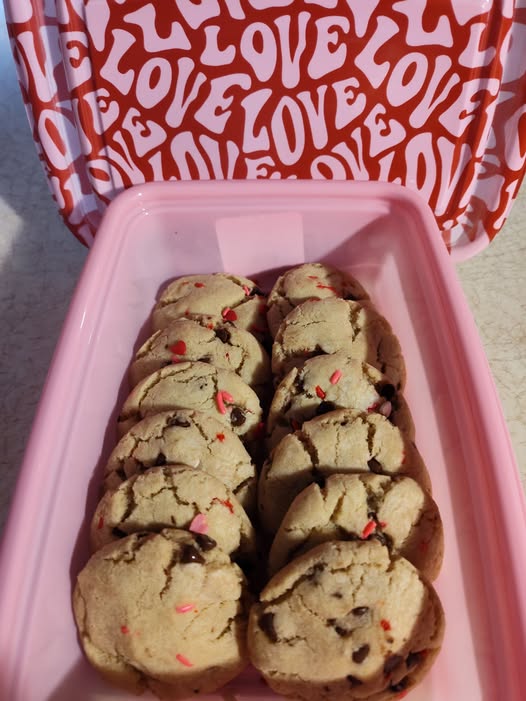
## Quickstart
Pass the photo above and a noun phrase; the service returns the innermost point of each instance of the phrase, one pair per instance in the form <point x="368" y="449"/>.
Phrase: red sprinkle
<point x="184" y="608"/>
<point x="225" y="502"/>
<point x="312" y="277"/>
<point x="335" y="377"/>
<point x="327" y="287"/>
<point x="370" y="526"/>
<point x="220" y="437"/>
<point x="373" y="407"/>
<point x="403" y="694"/>
<point x="229" y="314"/>
<point x="199" y="524"/>
<point x="125" y="630"/>
<point x="178" y="348"/>
<point x="385" y="624"/>
<point x="221" y="398"/>
<point x="246" y="290"/>
<point x="209" y="326"/>
<point x="183" y="660"/>
<point x="199" y="284"/>
<point x="320" y="392"/>
<point x="100" y="523"/>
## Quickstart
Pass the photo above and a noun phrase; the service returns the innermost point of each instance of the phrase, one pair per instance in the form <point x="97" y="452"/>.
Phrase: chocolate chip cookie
<point x="309" y="281"/>
<point x="394" y="510"/>
<point x="328" y="382"/>
<point x="325" y="326"/>
<point x="230" y="297"/>
<point x="198" y="385"/>
<point x="207" y="339"/>
<point x="344" y="441"/>
<point x="164" y="612"/>
<point x="174" y="496"/>
<point x="186" y="436"/>
<point x="346" y="621"/>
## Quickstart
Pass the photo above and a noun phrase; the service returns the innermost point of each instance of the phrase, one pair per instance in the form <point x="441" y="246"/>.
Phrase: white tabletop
<point x="40" y="262"/>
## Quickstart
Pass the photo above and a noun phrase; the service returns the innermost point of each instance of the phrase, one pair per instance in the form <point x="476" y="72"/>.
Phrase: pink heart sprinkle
<point x="199" y="524"/>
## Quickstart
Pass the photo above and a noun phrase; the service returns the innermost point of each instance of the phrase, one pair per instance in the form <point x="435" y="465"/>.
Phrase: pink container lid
<point x="430" y="95"/>
<point x="387" y="237"/>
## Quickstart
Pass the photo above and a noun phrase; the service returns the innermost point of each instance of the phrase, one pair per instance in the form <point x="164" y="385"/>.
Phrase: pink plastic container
<point x="387" y="237"/>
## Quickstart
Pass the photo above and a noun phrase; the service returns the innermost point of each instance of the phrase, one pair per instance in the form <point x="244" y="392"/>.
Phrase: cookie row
<point x="345" y="497"/>
<point x="163" y="602"/>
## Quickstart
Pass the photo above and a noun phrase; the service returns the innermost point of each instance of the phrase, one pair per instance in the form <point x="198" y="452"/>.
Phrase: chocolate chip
<point x="337" y="594"/>
<point x="266" y="623"/>
<point x="343" y="632"/>
<point x="160" y="460"/>
<point x="237" y="416"/>
<point x="176" y="421"/>
<point x="413" y="659"/>
<point x="374" y="466"/>
<point x="223" y="334"/>
<point x="387" y="391"/>
<point x="392" y="663"/>
<point x="205" y="359"/>
<point x="191" y="554"/>
<point x="353" y="681"/>
<point x="360" y="610"/>
<point x="256" y="291"/>
<point x="324" y="408"/>
<point x="399" y="686"/>
<point x="359" y="655"/>
<point x="205" y="542"/>
<point x="121" y="474"/>
<point x="118" y="533"/>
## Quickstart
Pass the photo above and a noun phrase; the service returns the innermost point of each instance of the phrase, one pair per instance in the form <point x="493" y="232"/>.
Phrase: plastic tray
<point x="387" y="237"/>
<point x="428" y="94"/>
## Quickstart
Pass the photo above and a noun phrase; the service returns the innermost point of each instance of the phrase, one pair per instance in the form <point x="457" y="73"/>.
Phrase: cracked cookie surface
<point x="189" y="437"/>
<point x="328" y="382"/>
<point x="158" y="611"/>
<point x="325" y="326"/>
<point x="234" y="298"/>
<point x="208" y="339"/>
<point x="305" y="282"/>
<point x="174" y="496"/>
<point x="221" y="393"/>
<point x="395" y="510"/>
<point x="346" y="621"/>
<point x="344" y="441"/>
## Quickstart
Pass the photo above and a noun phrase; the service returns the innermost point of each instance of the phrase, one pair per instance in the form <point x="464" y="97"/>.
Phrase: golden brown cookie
<point x="309" y="281"/>
<point x="346" y="621"/>
<point x="208" y="339"/>
<point x="394" y="510"/>
<point x="163" y="612"/>
<point x="230" y="297"/>
<point x="328" y="382"/>
<point x="174" y="496"/>
<point x="325" y="326"/>
<point x="340" y="441"/>
<point x="221" y="393"/>
<point x="189" y="437"/>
